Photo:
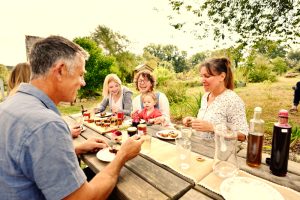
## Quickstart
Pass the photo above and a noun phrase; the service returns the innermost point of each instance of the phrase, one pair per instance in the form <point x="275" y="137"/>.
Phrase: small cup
<point x="120" y="115"/>
<point x="183" y="146"/>
<point x="86" y="116"/>
<point x="142" y="129"/>
<point x="131" y="131"/>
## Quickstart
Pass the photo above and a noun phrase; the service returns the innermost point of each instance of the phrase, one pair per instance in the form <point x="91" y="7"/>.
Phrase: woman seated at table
<point x="220" y="104"/>
<point x="115" y="95"/>
<point x="145" y="82"/>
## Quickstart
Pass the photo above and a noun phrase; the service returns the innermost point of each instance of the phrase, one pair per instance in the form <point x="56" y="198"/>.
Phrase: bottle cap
<point x="257" y="109"/>
<point x="283" y="113"/>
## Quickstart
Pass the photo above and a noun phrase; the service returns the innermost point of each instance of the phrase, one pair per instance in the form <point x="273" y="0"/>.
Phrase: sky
<point x="141" y="21"/>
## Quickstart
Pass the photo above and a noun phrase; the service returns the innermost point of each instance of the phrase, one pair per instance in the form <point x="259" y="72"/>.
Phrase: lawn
<point x="270" y="96"/>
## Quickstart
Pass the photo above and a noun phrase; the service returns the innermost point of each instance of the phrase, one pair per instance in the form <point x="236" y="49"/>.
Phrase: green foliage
<point x="194" y="104"/>
<point x="293" y="58"/>
<point x="97" y="67"/>
<point x="124" y="66"/>
<point x="279" y="65"/>
<point x="197" y="58"/>
<point x="241" y="74"/>
<point x="114" y="43"/>
<point x="4" y="73"/>
<point x="295" y="135"/>
<point x="239" y="20"/>
<point x="169" y="53"/>
<point x="175" y="92"/>
<point x="261" y="70"/>
<point x="163" y="75"/>
<point x="270" y="48"/>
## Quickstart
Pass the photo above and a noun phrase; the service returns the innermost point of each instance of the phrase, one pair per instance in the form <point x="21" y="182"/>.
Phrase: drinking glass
<point x="225" y="161"/>
<point x="186" y="132"/>
<point x="183" y="146"/>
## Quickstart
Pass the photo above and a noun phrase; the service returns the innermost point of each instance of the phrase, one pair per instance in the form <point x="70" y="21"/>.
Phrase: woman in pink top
<point x="149" y="112"/>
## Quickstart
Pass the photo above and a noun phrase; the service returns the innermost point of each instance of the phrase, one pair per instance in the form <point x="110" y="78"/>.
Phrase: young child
<point x="149" y="112"/>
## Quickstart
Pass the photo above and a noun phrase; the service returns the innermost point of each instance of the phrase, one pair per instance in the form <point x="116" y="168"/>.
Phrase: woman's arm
<point x="127" y="102"/>
<point x="103" y="104"/>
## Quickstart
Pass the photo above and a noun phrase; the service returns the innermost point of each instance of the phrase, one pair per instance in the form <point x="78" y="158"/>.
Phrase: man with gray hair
<point x="37" y="157"/>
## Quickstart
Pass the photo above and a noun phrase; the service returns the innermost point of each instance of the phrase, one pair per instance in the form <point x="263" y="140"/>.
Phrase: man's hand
<point x="130" y="148"/>
<point x="90" y="145"/>
<point x="75" y="131"/>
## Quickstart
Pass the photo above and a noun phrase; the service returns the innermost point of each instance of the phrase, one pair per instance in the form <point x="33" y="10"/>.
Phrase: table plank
<point x="129" y="186"/>
<point x="207" y="192"/>
<point x="167" y="182"/>
<point x="195" y="194"/>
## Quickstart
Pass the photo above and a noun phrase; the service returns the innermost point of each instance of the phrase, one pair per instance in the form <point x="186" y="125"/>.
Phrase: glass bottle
<point x="280" y="144"/>
<point x="255" y="139"/>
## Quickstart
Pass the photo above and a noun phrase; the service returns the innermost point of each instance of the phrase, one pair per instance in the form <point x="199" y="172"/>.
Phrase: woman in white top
<point x="145" y="82"/>
<point x="220" y="103"/>
<point x="115" y="95"/>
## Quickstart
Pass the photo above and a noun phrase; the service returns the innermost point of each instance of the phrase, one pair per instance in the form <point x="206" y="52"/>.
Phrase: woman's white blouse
<point x="227" y="108"/>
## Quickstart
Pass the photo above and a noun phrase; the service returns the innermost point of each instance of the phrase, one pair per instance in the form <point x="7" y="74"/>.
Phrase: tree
<point x="113" y="42"/>
<point x="115" y="45"/>
<point x="270" y="48"/>
<point x="125" y="64"/>
<point x="293" y="58"/>
<point x="250" y="20"/>
<point x="97" y="67"/>
<point x="3" y="73"/>
<point x="197" y="58"/>
<point x="169" y="53"/>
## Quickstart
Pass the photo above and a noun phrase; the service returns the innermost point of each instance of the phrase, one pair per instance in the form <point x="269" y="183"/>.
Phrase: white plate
<point x="107" y="114"/>
<point x="105" y="155"/>
<point x="129" y="122"/>
<point x="247" y="188"/>
<point x="158" y="134"/>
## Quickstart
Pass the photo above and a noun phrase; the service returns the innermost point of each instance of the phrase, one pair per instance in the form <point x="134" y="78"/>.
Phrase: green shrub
<point x="295" y="135"/>
<point x="193" y="105"/>
<point x="261" y="70"/>
<point x="280" y="66"/>
<point x="163" y="75"/>
<point x="176" y="92"/>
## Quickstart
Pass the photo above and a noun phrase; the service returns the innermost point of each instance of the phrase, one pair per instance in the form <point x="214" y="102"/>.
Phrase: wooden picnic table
<point x="145" y="178"/>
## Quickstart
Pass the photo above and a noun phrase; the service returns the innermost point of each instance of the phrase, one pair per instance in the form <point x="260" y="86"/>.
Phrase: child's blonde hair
<point x="150" y="94"/>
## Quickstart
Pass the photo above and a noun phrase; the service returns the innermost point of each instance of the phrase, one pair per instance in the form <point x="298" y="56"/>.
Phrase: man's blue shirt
<point x="37" y="157"/>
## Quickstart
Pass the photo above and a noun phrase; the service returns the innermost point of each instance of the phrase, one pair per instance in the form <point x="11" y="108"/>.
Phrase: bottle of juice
<point x="255" y="139"/>
<point x="280" y="144"/>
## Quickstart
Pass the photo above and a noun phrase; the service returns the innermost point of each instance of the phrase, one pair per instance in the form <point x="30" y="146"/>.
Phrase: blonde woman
<point x="115" y="95"/>
<point x="20" y="74"/>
